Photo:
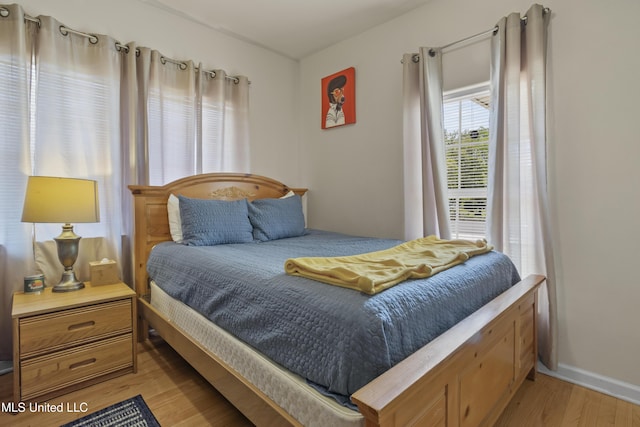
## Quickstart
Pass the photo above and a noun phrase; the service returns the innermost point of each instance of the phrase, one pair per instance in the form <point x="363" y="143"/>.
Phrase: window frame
<point x="466" y="228"/>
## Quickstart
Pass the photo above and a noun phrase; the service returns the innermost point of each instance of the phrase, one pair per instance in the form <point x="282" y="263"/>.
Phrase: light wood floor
<point x="178" y="396"/>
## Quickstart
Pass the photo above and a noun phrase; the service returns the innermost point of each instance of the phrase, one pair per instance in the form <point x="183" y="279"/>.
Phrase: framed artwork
<point x="339" y="99"/>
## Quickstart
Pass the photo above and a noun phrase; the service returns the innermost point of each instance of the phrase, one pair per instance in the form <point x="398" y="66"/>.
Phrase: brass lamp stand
<point x="67" y="243"/>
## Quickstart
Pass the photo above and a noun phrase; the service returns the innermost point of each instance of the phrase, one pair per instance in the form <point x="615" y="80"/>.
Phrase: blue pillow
<point x="276" y="218"/>
<point x="214" y="222"/>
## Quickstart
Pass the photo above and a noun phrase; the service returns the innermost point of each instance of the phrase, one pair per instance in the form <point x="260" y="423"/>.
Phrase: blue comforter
<point x="337" y="338"/>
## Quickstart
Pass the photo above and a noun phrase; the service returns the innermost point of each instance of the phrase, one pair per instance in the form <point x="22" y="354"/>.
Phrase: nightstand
<point x="66" y="341"/>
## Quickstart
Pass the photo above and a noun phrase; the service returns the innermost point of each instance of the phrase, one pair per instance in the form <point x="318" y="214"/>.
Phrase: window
<point x="172" y="133"/>
<point x="195" y="127"/>
<point x="466" y="129"/>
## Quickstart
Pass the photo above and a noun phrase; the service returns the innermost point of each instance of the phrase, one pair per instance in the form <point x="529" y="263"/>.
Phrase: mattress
<point x="289" y="391"/>
<point x="337" y="339"/>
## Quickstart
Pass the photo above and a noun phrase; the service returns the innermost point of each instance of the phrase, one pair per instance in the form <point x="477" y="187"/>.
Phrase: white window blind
<point x="213" y="129"/>
<point x="172" y="134"/>
<point x="466" y="123"/>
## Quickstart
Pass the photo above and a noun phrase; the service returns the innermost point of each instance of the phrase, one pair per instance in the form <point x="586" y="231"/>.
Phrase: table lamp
<point x="62" y="200"/>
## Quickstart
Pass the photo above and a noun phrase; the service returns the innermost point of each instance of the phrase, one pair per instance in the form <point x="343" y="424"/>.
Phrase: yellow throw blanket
<point x="376" y="271"/>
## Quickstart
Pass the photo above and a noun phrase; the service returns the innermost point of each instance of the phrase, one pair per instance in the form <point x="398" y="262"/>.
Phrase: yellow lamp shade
<point x="61" y="200"/>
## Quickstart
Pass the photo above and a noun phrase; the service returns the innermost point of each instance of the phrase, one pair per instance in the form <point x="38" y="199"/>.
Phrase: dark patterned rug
<point x="130" y="412"/>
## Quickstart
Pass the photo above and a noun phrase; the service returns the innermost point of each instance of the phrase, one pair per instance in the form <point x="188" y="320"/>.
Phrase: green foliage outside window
<point x="467" y="157"/>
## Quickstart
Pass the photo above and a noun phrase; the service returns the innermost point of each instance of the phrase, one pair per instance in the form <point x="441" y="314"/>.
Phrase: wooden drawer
<point x="55" y="331"/>
<point x="56" y="371"/>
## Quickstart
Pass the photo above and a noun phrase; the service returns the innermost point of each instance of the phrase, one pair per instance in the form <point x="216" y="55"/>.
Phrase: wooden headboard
<point x="150" y="208"/>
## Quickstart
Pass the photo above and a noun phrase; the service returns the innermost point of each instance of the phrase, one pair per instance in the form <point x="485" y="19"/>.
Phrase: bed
<point x="465" y="376"/>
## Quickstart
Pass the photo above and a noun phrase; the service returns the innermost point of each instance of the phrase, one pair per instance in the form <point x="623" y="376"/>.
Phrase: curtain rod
<point x="181" y="64"/>
<point x="492" y="31"/>
<point x="432" y="51"/>
<point x="4" y="12"/>
<point x="484" y="33"/>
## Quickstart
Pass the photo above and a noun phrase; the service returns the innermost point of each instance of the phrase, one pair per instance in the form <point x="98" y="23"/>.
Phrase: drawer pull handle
<point x="88" y="324"/>
<point x="82" y="364"/>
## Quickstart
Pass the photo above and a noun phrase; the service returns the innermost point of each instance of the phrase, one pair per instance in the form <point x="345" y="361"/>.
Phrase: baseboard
<point x="6" y="366"/>
<point x="612" y="387"/>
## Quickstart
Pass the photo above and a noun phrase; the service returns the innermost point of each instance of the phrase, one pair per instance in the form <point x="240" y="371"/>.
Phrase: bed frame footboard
<point x="465" y="377"/>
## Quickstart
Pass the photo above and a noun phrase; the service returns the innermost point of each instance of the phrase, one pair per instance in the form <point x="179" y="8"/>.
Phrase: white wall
<point x="273" y="94"/>
<point x="355" y="172"/>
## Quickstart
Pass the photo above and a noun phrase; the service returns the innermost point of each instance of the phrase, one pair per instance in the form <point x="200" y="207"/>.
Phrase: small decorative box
<point x="104" y="272"/>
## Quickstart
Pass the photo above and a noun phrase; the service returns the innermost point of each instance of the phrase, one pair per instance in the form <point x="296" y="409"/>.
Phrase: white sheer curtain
<point x="225" y="122"/>
<point x="16" y="253"/>
<point x="426" y="205"/>
<point x="196" y="120"/>
<point x="88" y="107"/>
<point x="75" y="125"/>
<point x="518" y="205"/>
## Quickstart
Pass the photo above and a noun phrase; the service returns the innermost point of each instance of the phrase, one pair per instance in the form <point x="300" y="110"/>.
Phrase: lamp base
<point x="68" y="283"/>
<point x="68" y="243"/>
